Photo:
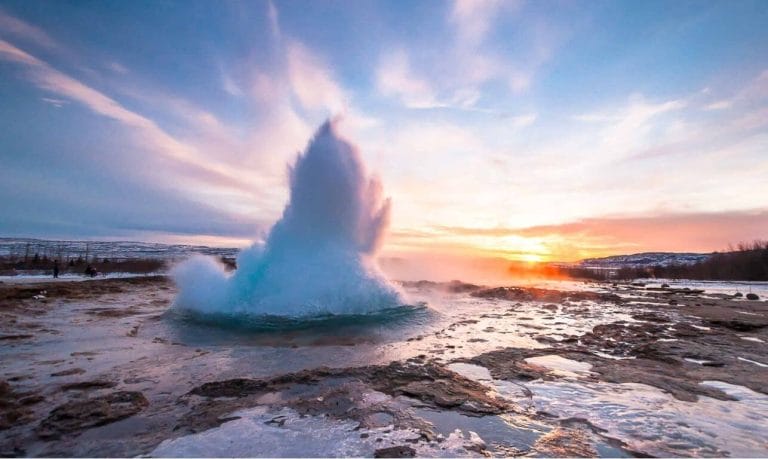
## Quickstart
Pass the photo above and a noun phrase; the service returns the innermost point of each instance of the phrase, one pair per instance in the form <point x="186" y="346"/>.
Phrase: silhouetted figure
<point x="56" y="269"/>
<point x="90" y="271"/>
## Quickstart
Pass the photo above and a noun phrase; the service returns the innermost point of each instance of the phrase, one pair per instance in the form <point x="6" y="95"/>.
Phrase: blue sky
<point x="547" y="129"/>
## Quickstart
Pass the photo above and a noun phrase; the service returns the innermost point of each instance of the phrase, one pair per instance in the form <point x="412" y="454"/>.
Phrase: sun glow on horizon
<point x="531" y="258"/>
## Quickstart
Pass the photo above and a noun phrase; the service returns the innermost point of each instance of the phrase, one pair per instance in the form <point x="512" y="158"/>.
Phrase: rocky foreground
<point x="98" y="368"/>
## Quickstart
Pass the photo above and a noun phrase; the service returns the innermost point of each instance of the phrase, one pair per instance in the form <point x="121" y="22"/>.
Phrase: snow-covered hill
<point x="646" y="259"/>
<point x="18" y="248"/>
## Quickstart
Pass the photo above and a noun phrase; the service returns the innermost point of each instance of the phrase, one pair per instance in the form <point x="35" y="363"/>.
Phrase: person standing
<point x="56" y="269"/>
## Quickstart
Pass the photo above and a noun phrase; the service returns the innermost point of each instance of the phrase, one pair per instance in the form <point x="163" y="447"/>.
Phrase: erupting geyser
<point x="319" y="258"/>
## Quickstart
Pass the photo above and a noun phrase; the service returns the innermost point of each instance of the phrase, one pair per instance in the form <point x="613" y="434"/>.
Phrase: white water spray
<point x="319" y="258"/>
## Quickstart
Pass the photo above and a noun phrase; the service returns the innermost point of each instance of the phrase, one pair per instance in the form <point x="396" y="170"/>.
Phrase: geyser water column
<point x="319" y="258"/>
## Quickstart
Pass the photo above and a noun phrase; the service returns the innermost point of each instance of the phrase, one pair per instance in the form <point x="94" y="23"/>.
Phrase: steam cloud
<point x="319" y="258"/>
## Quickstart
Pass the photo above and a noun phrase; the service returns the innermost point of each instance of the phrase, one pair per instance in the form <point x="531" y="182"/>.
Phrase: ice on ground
<point x="470" y="371"/>
<point x="752" y="338"/>
<point x="560" y="365"/>
<point x="753" y="362"/>
<point x="654" y="422"/>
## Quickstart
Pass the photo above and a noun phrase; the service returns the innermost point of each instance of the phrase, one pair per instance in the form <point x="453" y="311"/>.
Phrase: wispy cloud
<point x="395" y="78"/>
<point x="522" y="121"/>
<point x="755" y="91"/>
<point x="467" y="62"/>
<point x="274" y="19"/>
<point x="625" y="130"/>
<point x="58" y="103"/>
<point x="311" y="80"/>
<point x="52" y="80"/>
<point x="719" y="105"/>
<point x="118" y="68"/>
<point x="474" y="18"/>
<point x="14" y="27"/>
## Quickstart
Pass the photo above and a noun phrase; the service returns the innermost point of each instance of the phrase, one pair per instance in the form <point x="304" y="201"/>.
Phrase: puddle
<point x="284" y="433"/>
<point x="499" y="433"/>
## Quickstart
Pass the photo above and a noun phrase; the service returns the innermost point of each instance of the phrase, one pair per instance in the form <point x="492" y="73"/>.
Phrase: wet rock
<point x="71" y="371"/>
<point x="653" y="367"/>
<point x="740" y="324"/>
<point x="31" y="400"/>
<point x="239" y="387"/>
<point x="435" y="385"/>
<point x="684" y="330"/>
<point x="752" y="296"/>
<point x="510" y="364"/>
<point x="669" y="377"/>
<point x="15" y="337"/>
<point x="395" y="451"/>
<point x="562" y="442"/>
<point x="456" y="286"/>
<point x="209" y="414"/>
<point x="379" y="419"/>
<point x="87" y="385"/>
<point x="622" y="339"/>
<point x="84" y="354"/>
<point x="114" y="312"/>
<point x="12" y="410"/>
<point x="650" y="317"/>
<point x="651" y="351"/>
<point x="543" y="295"/>
<point x="429" y="383"/>
<point x="74" y="417"/>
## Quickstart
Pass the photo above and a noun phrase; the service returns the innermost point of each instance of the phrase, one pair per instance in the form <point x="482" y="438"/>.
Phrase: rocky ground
<point x="98" y="368"/>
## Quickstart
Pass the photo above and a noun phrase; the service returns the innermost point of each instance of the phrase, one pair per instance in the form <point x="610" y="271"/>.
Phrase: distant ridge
<point x="18" y="247"/>
<point x="645" y="260"/>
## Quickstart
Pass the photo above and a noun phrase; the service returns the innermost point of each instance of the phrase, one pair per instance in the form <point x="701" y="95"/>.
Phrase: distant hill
<point x="19" y="248"/>
<point x="645" y="260"/>
<point x="748" y="261"/>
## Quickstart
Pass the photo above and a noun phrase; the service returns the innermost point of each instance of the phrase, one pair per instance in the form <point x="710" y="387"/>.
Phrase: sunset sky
<point x="541" y="130"/>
